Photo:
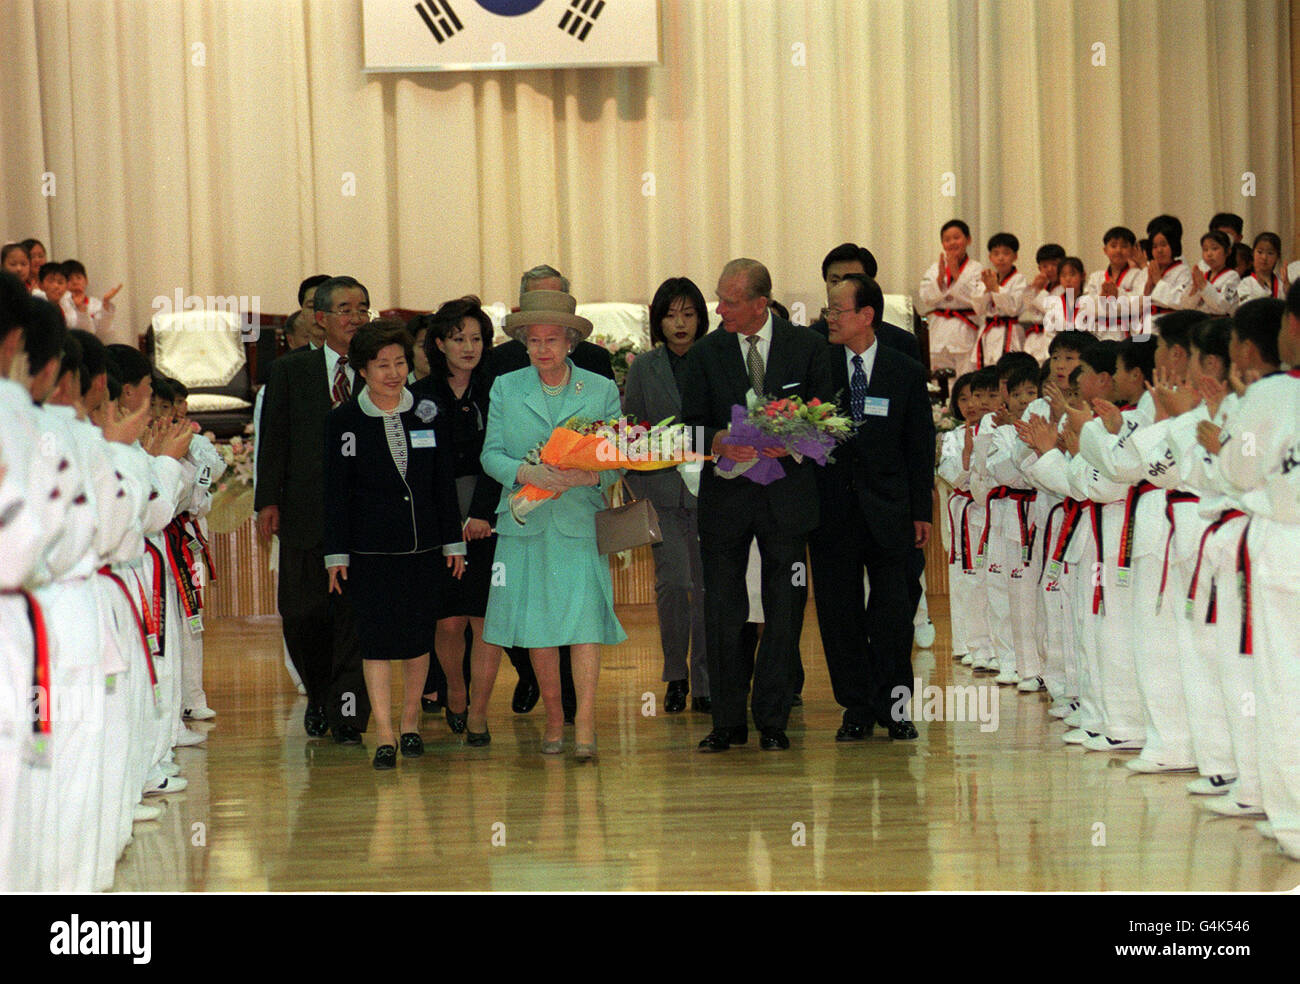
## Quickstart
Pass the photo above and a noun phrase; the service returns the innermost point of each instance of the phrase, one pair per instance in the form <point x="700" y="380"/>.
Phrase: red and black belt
<point x="180" y="561"/>
<point x="1212" y="612"/>
<point x="1173" y="498"/>
<point x="966" y="563"/>
<point x="107" y="572"/>
<point x="1072" y="512"/>
<point x="1098" y="595"/>
<point x="42" y="722"/>
<point x="962" y="314"/>
<point x="1022" y="498"/>
<point x="1243" y="585"/>
<point x="1047" y="539"/>
<point x="1135" y="494"/>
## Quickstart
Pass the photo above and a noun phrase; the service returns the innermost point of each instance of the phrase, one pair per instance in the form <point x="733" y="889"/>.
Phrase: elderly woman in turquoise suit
<point x="550" y="585"/>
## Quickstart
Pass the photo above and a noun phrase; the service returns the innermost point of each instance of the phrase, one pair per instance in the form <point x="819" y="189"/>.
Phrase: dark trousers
<point x="322" y="639"/>
<point x="868" y="646"/>
<point x="524" y="667"/>
<point x="726" y="605"/>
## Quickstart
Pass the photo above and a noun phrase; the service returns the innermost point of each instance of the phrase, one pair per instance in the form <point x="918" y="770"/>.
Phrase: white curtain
<point x="232" y="147"/>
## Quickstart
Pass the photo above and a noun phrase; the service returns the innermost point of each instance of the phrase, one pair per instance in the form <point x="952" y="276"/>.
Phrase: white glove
<point x="545" y="477"/>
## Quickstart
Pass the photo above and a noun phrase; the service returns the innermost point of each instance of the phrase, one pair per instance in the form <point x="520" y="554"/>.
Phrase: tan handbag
<point x="633" y="524"/>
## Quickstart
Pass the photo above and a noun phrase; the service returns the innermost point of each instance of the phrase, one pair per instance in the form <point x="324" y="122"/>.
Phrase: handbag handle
<point x="628" y="496"/>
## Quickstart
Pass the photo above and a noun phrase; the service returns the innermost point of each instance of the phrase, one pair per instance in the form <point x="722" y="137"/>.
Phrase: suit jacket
<point x="462" y="438"/>
<point x="518" y="421"/>
<point x="513" y="355"/>
<point x="290" y="458"/>
<point x="716" y="379"/>
<point x="891" y="336"/>
<point x="370" y="507"/>
<point x="652" y="395"/>
<point x="887" y="468"/>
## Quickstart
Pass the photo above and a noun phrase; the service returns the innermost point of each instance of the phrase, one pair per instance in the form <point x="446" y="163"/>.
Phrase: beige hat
<point x="546" y="307"/>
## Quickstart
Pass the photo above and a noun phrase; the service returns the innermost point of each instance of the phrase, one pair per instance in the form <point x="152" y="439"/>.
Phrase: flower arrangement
<point x="603" y="445"/>
<point x="237" y="453"/>
<point x="805" y="430"/>
<point x="622" y="352"/>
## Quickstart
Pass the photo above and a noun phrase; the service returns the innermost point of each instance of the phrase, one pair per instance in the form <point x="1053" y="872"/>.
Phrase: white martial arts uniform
<point x="1115" y="317"/>
<point x="962" y="580"/>
<point x="1217" y="297"/>
<point x="953" y="323"/>
<point x="998" y="314"/>
<point x="1031" y="321"/>
<point x="1165" y="296"/>
<point x="1260" y="457"/>
<point x="986" y="584"/>
<point x="1251" y="288"/>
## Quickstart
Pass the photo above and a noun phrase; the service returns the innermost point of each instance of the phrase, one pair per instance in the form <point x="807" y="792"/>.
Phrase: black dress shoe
<point x="720" y="739"/>
<point x="345" y="734"/>
<point x="853" y="732"/>
<point x="702" y="704"/>
<point x="675" y="701"/>
<point x="412" y="745"/>
<point x="478" y="739"/>
<point x="901" y="730"/>
<point x="457" y="721"/>
<point x="430" y="706"/>
<point x="773" y="740"/>
<point x="385" y="757"/>
<point x="314" y="722"/>
<point x="526" y="694"/>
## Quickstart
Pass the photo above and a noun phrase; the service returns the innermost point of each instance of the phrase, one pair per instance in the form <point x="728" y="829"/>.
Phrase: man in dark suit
<point x="318" y="628"/>
<point x="759" y="351"/>
<point x="875" y="512"/>
<point x="508" y="357"/>
<point x="848" y="258"/>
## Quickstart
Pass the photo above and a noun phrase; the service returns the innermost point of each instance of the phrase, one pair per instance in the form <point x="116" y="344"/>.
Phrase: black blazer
<point x="887" y="468"/>
<point x="512" y="355"/>
<point x="290" y="463"/>
<point x="369" y="507"/>
<point x="464" y="436"/>
<point x="891" y="336"/>
<point x="716" y="379"/>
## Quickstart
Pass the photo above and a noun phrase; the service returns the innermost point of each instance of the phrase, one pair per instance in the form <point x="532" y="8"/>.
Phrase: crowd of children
<point x="978" y="313"/>
<point x="64" y="285"/>
<point x="103" y="562"/>
<point x="1127" y="539"/>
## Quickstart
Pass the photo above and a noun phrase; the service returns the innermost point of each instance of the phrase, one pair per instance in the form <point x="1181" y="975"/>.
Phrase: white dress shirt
<point x="868" y="360"/>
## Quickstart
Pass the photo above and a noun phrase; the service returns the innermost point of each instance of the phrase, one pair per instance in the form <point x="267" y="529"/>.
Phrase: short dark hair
<point x="1048" y="252"/>
<point x="46" y="331"/>
<point x="867" y="293"/>
<point x="1072" y="341"/>
<point x="444" y="323"/>
<point x="1212" y="337"/>
<point x="312" y="281"/>
<point x="114" y="387"/>
<point x="372" y="338"/>
<point x="1123" y="233"/>
<point x="1021" y="374"/>
<point x="73" y="267"/>
<point x="128" y="364"/>
<point x="1222" y="239"/>
<point x="1173" y="233"/>
<point x="163" y="391"/>
<point x="52" y="267"/>
<point x="326" y="290"/>
<point x="27" y="244"/>
<point x="955" y="224"/>
<point x="1101" y="356"/>
<point x="1175" y="328"/>
<point x="13" y="301"/>
<point x="1075" y="262"/>
<point x="1272" y="238"/>
<point x="8" y="248"/>
<point x="180" y="389"/>
<point x="1075" y="373"/>
<point x="959" y="385"/>
<point x="1242" y="254"/>
<point x="1230" y="219"/>
<point x="94" y="357"/>
<point x="984" y="379"/>
<point x="71" y="361"/>
<point x="1004" y="239"/>
<point x="1138" y="353"/>
<point x="1011" y="361"/>
<point x="669" y="291"/>
<point x="1163" y="220"/>
<point x="1259" y="322"/>
<point x="850" y="253"/>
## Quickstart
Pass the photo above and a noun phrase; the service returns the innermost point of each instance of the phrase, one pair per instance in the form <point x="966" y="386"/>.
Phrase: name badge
<point x="876" y="406"/>
<point x="424" y="439"/>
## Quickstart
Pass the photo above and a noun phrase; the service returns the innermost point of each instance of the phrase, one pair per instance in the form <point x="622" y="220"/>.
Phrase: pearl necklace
<point x="558" y="389"/>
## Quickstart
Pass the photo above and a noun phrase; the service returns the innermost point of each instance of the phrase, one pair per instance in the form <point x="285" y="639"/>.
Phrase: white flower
<point x="426" y="410"/>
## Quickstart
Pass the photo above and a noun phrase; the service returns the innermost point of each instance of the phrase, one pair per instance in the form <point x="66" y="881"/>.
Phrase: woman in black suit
<point x="457" y="340"/>
<point x="390" y="504"/>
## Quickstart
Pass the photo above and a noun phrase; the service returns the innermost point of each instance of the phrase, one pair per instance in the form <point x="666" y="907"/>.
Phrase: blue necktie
<point x="858" y="389"/>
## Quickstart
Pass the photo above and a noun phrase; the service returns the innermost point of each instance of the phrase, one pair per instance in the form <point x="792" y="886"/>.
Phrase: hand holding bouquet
<point x="804" y="430"/>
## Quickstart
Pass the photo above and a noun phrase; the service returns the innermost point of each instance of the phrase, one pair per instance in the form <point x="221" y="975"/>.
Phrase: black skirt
<point x="469" y="595"/>
<point x="395" y="602"/>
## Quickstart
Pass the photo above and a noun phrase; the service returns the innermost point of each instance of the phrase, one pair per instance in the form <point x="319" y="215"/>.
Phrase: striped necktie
<point x="754" y="363"/>
<point x="341" y="392"/>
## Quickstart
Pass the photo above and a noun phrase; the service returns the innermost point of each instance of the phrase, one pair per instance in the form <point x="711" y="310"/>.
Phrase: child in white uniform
<point x="1263" y="280"/>
<point x="998" y="301"/>
<point x="1038" y="295"/>
<point x="946" y="295"/>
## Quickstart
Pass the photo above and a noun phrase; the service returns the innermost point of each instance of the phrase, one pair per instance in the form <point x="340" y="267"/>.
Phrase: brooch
<point x="577" y="387"/>
<point x="426" y="410"/>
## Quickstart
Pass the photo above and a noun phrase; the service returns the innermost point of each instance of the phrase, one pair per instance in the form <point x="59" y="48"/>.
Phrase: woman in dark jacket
<point x="457" y="339"/>
<point x="390" y="518"/>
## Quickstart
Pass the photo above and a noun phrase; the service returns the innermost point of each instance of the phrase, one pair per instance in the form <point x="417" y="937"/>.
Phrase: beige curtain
<point x="231" y="147"/>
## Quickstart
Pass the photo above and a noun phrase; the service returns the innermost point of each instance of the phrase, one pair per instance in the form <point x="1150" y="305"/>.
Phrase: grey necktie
<point x="754" y="363"/>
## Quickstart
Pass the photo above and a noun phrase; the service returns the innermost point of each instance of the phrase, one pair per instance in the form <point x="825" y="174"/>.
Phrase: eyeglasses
<point x="362" y="313"/>
<point x="837" y="313"/>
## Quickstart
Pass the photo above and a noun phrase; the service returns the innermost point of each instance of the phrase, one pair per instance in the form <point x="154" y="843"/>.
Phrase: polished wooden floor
<point x="962" y="809"/>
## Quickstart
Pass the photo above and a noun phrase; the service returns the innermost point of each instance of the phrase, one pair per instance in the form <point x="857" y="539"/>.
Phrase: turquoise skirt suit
<point x="550" y="587"/>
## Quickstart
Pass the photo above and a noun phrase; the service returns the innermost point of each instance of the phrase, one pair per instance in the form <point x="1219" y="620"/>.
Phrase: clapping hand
<point x="1198" y="278"/>
<point x="128" y="429"/>
<point x="1239" y="378"/>
<point x="1213" y="391"/>
<point x="1108" y="288"/>
<point x="1002" y="416"/>
<point x="1076" y="416"/>
<point x="1208" y="435"/>
<point x="1055" y="399"/>
<point x="968" y="446"/>
<point x="1111" y="416"/>
<point x="1037" y="433"/>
